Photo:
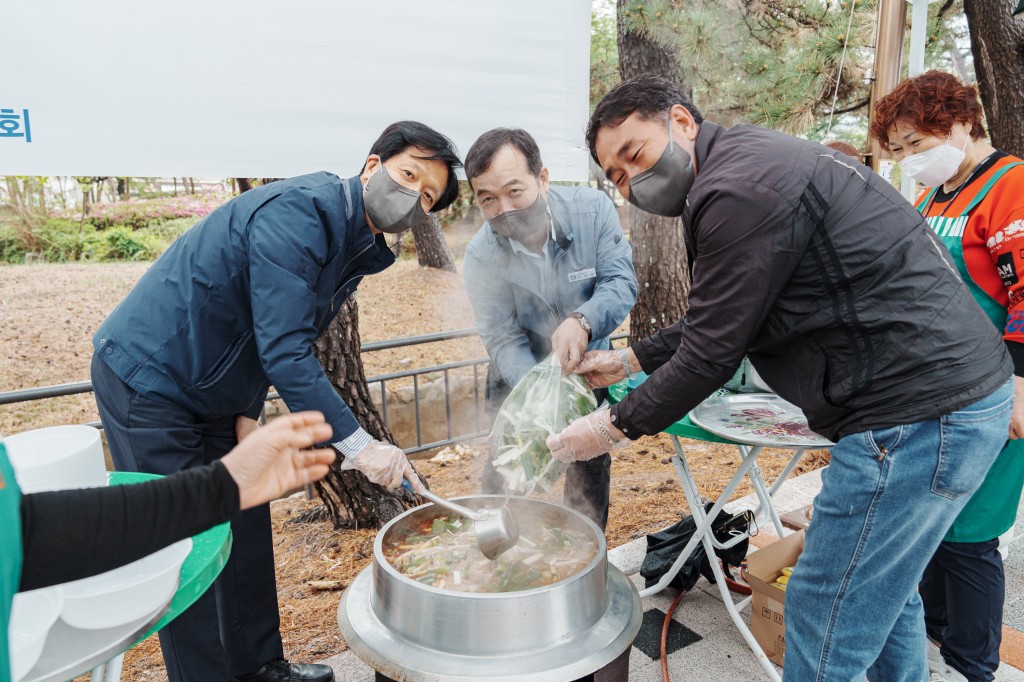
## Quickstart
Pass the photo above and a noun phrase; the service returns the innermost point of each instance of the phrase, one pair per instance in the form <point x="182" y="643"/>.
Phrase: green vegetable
<point x="542" y="404"/>
<point x="441" y="526"/>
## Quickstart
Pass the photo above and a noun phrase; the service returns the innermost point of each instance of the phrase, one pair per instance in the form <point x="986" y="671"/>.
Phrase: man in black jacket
<point x="849" y="307"/>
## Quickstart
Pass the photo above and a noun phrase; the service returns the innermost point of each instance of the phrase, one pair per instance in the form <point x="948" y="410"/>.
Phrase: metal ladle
<point x="496" y="530"/>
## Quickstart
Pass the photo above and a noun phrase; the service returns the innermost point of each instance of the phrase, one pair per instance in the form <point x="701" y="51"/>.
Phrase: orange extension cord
<point x="738" y="588"/>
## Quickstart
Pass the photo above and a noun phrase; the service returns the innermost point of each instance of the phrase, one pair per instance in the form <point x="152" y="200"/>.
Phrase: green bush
<point x="123" y="243"/>
<point x="63" y="240"/>
<point x="12" y="248"/>
<point x="169" y="230"/>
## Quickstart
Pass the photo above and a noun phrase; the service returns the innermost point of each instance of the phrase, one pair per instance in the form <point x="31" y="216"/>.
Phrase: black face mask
<point x="662" y="188"/>
<point x="520" y="223"/>
<point x="392" y="207"/>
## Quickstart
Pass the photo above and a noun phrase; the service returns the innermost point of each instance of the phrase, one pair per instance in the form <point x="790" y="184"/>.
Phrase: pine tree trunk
<point x="350" y="498"/>
<point x="663" y="282"/>
<point x="431" y="248"/>
<point x="659" y="254"/>
<point x="997" y="43"/>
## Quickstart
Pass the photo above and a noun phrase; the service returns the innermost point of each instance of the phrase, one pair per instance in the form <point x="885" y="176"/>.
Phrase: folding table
<point x="749" y="443"/>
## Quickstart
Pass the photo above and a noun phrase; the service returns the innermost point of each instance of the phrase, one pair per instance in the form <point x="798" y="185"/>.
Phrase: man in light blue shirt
<point x="549" y="272"/>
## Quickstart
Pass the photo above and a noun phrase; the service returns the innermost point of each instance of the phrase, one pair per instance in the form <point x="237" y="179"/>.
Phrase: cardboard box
<point x="798" y="519"/>
<point x="767" y="608"/>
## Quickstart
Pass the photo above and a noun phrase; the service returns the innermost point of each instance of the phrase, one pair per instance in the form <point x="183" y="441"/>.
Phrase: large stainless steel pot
<point x="412" y="631"/>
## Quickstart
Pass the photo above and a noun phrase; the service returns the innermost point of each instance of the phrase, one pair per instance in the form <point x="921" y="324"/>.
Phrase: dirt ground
<point x="49" y="312"/>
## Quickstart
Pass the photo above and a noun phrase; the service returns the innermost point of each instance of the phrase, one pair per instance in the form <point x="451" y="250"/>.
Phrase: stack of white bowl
<point x="126" y="597"/>
<point x="56" y="458"/>
<point x="131" y="593"/>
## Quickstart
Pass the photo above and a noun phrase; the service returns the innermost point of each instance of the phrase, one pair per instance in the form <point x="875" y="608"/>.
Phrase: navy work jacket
<point x="235" y="304"/>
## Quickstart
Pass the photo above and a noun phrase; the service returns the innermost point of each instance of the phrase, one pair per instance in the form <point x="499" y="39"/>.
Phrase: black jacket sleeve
<point x="72" y="534"/>
<point x="746" y="252"/>
<point x="657" y="349"/>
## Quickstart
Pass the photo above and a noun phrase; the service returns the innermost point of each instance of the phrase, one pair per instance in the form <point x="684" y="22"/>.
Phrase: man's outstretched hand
<point x="602" y="368"/>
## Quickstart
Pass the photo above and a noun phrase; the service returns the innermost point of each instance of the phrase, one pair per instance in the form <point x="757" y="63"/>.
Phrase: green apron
<point x="993" y="508"/>
<point x="10" y="555"/>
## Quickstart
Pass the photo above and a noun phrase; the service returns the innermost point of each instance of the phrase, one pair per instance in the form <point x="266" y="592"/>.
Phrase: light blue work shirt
<point x="519" y="298"/>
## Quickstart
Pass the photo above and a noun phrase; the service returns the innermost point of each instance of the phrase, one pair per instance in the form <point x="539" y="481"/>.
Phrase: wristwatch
<point x="584" y="322"/>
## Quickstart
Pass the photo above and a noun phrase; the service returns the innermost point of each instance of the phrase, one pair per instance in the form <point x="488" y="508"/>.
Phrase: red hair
<point x="929" y="103"/>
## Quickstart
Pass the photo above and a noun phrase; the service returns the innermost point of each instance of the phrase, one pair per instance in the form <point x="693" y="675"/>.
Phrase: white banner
<point x="264" y="88"/>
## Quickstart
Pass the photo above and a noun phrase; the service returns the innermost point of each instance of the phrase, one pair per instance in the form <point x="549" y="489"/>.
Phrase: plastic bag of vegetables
<point x="543" y="403"/>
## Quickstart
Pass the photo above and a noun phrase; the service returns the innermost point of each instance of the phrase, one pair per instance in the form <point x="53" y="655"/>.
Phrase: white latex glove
<point x="603" y="368"/>
<point x="586" y="438"/>
<point x="384" y="464"/>
<point x="569" y="343"/>
<point x="244" y="426"/>
<point x="273" y="459"/>
<point x="1017" y="413"/>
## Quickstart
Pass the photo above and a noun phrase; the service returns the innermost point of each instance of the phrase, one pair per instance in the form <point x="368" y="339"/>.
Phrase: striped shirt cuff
<point x="354" y="444"/>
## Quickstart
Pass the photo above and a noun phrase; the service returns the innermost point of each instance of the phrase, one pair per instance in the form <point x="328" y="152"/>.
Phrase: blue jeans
<point x="886" y="501"/>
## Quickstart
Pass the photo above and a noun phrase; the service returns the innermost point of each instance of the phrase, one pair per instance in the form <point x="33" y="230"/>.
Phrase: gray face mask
<point x="520" y="223"/>
<point x="392" y="207"/>
<point x="662" y="188"/>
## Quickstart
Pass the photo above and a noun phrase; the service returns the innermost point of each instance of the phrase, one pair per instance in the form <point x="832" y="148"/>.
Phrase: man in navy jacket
<point x="182" y="366"/>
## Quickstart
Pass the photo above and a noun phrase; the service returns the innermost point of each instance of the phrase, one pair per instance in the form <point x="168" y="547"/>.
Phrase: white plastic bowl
<point x="56" y="458"/>
<point x="126" y="594"/>
<point x="32" y="615"/>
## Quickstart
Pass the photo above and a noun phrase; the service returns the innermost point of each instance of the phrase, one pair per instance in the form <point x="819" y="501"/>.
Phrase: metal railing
<point x="478" y="432"/>
<point x="480" y="428"/>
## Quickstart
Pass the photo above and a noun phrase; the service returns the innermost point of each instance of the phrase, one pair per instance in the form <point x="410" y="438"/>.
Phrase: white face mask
<point x="936" y="165"/>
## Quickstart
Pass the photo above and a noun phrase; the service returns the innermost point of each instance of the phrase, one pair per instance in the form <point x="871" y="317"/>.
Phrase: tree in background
<point x="92" y="191"/>
<point x="997" y="43"/>
<point x="25" y="197"/>
<point x="604" y="53"/>
<point x="431" y="248"/>
<point x="604" y="73"/>
<point x="778" y="64"/>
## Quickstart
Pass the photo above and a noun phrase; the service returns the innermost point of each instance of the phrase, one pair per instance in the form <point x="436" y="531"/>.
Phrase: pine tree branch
<point x="946" y="6"/>
<point x="853" y="107"/>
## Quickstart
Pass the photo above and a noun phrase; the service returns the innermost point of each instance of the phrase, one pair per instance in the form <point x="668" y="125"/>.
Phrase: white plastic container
<point x="126" y="594"/>
<point x="56" y="458"/>
<point x="32" y="615"/>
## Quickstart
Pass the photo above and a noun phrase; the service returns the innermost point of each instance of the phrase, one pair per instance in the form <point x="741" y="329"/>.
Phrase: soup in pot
<point x="443" y="552"/>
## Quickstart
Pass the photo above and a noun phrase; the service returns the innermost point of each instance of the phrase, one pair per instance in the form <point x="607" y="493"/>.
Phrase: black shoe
<point x="282" y="671"/>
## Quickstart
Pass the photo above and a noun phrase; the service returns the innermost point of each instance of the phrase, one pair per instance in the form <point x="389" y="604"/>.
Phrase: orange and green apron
<point x="992" y="510"/>
<point x="10" y="555"/>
